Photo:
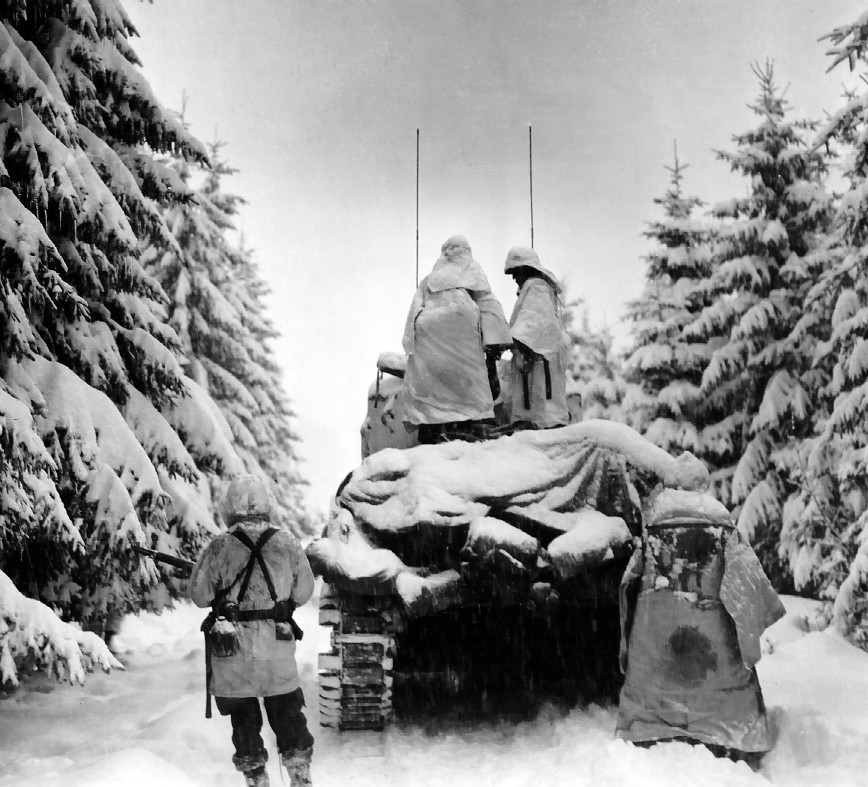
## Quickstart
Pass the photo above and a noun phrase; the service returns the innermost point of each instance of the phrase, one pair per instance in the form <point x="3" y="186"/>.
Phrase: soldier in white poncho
<point x="536" y="396"/>
<point x="455" y="330"/>
<point x="253" y="576"/>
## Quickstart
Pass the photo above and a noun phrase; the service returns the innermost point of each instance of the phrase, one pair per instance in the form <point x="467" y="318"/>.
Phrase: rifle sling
<point x="207" y="674"/>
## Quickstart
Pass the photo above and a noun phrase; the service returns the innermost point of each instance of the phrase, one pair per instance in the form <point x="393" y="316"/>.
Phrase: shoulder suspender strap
<point x="223" y="592"/>
<point x="256" y="557"/>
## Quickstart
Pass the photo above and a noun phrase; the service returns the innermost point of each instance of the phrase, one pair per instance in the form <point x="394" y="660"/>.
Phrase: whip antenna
<point x="530" y="162"/>
<point x="417" y="207"/>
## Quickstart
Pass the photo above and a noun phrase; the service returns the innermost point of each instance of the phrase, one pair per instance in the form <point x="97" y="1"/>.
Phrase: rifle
<point x="281" y="612"/>
<point x="162" y="557"/>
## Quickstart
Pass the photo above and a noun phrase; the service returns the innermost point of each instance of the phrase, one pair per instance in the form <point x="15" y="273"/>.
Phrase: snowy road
<point x="147" y="727"/>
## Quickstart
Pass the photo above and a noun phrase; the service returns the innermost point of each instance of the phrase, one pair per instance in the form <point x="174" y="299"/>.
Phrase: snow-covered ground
<point x="146" y="726"/>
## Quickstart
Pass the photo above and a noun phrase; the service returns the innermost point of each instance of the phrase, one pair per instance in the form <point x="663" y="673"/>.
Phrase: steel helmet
<point x="523" y="257"/>
<point x="247" y="497"/>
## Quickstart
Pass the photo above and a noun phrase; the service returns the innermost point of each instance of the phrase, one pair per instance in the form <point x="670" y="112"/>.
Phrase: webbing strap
<point x="247" y="571"/>
<point x="255" y="557"/>
<point x="548" y="374"/>
<point x="525" y="387"/>
<point x="244" y="615"/>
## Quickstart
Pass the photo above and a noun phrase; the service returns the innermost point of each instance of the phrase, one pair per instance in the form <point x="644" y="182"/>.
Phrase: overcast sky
<point x="318" y="104"/>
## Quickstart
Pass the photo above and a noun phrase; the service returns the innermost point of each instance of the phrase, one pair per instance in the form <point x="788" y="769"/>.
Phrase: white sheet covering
<point x="452" y="318"/>
<point x="536" y="324"/>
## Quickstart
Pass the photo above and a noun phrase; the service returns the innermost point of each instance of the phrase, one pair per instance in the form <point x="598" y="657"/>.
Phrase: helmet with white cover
<point x="523" y="257"/>
<point x="246" y="498"/>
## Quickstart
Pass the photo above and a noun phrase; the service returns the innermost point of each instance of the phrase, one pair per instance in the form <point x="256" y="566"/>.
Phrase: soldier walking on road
<point x="253" y="576"/>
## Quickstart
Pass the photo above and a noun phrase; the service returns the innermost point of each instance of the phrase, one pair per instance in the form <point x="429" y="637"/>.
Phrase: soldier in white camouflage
<point x="253" y="576"/>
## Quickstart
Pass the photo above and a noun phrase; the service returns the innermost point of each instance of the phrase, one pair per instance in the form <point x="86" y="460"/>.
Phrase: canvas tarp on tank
<point x="694" y="603"/>
<point x="567" y="496"/>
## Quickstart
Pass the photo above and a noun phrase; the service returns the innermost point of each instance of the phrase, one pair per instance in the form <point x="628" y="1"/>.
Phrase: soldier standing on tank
<point x="536" y="397"/>
<point x="253" y="576"/>
<point x="454" y="333"/>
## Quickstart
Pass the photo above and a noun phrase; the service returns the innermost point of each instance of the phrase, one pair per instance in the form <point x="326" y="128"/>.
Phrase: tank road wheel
<point x="355" y="682"/>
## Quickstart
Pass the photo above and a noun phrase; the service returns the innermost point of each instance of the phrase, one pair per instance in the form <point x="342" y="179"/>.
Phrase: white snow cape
<point x="534" y="321"/>
<point x="551" y="487"/>
<point x="452" y="318"/>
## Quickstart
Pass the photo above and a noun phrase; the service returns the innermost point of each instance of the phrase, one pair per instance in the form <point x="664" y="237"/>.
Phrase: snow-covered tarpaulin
<point x="558" y="470"/>
<point x="562" y="499"/>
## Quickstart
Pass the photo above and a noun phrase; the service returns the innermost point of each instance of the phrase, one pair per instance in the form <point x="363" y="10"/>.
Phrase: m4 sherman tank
<point x="483" y="569"/>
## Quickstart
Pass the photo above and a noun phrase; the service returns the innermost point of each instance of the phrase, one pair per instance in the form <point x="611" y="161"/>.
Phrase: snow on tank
<point x="513" y="546"/>
<point x="383" y="426"/>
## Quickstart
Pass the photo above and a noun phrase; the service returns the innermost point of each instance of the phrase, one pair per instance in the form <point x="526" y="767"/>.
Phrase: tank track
<point x="356" y="675"/>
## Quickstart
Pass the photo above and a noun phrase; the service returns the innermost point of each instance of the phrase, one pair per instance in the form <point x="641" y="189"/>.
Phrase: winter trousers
<point x="285" y="716"/>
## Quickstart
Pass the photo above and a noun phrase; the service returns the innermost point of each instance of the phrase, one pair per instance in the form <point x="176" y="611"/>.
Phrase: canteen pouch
<point x="221" y="630"/>
<point x="223" y="636"/>
<point x="283" y="631"/>
<point x="285" y="628"/>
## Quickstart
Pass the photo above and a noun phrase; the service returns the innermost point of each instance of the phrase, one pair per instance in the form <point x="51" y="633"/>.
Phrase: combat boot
<point x="256" y="777"/>
<point x="297" y="766"/>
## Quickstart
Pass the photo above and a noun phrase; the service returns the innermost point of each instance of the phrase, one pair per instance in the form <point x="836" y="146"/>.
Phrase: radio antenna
<point x="417" y="207"/>
<point x="530" y="162"/>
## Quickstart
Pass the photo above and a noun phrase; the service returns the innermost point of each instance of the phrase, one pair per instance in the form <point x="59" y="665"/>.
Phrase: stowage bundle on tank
<point x="471" y="565"/>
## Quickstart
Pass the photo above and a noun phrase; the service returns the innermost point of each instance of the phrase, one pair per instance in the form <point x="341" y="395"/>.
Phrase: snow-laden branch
<point x="33" y="637"/>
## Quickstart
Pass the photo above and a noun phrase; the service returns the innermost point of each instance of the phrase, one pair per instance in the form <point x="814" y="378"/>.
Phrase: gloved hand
<point x="494" y="351"/>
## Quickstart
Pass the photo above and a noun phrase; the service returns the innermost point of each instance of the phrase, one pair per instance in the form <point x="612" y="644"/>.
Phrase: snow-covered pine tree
<point x="276" y="437"/>
<point x="827" y="535"/>
<point x="595" y="386"/>
<point x="275" y="440"/>
<point x="216" y="307"/>
<point x="88" y="365"/>
<point x="759" y="384"/>
<point x="664" y="369"/>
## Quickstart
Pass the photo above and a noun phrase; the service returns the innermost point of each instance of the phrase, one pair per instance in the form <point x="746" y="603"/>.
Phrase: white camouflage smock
<point x="535" y="322"/>
<point x="263" y="666"/>
<point x="452" y="318"/>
